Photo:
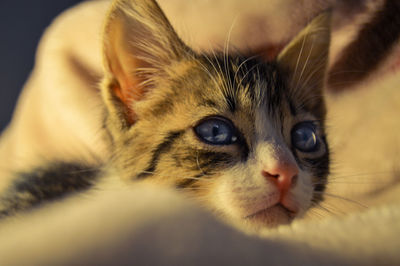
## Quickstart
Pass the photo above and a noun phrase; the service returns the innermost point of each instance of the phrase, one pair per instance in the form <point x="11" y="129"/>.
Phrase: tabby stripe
<point x="320" y="169"/>
<point x="163" y="147"/>
<point x="188" y="182"/>
<point x="231" y="102"/>
<point x="50" y="183"/>
<point x="292" y="108"/>
<point x="320" y="166"/>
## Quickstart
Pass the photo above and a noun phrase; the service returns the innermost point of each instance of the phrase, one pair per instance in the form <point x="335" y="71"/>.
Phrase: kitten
<point x="243" y="136"/>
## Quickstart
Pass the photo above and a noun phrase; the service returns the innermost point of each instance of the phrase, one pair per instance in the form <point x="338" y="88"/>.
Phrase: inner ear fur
<point x="139" y="42"/>
<point x="305" y="60"/>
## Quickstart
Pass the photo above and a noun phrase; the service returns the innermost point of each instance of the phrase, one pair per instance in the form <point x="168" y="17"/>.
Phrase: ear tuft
<point x="306" y="57"/>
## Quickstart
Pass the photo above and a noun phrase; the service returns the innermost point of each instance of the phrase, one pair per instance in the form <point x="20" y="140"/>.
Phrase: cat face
<point x="242" y="136"/>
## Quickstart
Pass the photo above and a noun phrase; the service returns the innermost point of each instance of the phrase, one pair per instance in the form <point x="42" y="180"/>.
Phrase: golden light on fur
<point x="158" y="91"/>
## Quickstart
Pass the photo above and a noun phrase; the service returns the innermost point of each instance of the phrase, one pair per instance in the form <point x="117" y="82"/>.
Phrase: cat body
<point x="245" y="137"/>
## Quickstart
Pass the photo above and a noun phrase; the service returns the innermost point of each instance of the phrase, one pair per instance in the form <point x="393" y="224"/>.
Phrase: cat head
<point x="243" y="136"/>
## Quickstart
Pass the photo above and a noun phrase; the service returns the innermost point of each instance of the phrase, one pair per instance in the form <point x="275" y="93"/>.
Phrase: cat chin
<point x="270" y="217"/>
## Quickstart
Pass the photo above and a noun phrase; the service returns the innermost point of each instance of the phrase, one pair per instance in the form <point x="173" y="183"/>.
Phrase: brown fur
<point x="157" y="90"/>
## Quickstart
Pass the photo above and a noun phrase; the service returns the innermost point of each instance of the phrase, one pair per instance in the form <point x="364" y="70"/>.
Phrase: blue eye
<point x="216" y="131"/>
<point x="304" y="137"/>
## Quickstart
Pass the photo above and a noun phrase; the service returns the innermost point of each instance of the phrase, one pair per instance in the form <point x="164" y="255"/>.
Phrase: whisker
<point x="314" y="212"/>
<point x="226" y="53"/>
<point x="242" y="64"/>
<point x="319" y="206"/>
<point x="305" y="64"/>
<point x="360" y="179"/>
<point x="184" y="178"/>
<point x="342" y="198"/>
<point x="205" y="69"/>
<point x="218" y="70"/>
<point x="328" y="207"/>
<point x="298" y="59"/>
<point x="198" y="163"/>
<point x="248" y="71"/>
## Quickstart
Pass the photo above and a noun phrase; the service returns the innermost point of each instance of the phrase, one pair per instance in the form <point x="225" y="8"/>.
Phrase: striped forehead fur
<point x="233" y="81"/>
<point x="248" y="79"/>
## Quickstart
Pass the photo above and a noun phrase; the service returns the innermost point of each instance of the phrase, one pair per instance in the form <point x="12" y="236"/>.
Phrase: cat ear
<point x="139" y="42"/>
<point x="305" y="59"/>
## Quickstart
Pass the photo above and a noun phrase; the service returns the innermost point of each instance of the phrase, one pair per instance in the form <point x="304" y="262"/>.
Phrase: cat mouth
<point x="272" y="216"/>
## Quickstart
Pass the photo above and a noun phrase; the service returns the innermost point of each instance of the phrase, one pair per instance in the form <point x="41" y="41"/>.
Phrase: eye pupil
<point x="304" y="137"/>
<point x="216" y="131"/>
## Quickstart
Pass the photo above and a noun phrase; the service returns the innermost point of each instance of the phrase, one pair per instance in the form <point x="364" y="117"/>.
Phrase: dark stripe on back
<point x="163" y="147"/>
<point x="40" y="185"/>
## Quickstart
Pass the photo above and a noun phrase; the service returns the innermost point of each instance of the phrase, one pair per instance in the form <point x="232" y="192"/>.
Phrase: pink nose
<point x="283" y="173"/>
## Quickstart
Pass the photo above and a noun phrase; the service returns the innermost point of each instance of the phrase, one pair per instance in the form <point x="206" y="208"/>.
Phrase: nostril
<point x="267" y="174"/>
<point x="284" y="177"/>
<point x="294" y="180"/>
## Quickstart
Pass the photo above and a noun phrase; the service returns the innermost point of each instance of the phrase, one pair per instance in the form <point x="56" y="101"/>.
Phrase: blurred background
<point x="21" y="25"/>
